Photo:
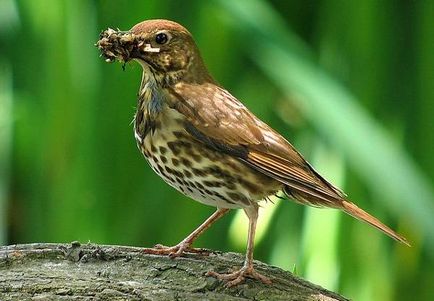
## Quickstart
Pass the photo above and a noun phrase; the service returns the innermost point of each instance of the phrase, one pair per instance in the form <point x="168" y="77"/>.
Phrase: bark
<point x="98" y="272"/>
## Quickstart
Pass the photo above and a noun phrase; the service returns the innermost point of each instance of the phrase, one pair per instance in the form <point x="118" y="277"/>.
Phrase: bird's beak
<point x="123" y="45"/>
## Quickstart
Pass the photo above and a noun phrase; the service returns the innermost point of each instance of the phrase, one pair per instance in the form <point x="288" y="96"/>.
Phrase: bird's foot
<point x="175" y="251"/>
<point x="237" y="277"/>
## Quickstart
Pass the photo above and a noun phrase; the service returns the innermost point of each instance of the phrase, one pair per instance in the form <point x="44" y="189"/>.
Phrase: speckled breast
<point x="206" y="175"/>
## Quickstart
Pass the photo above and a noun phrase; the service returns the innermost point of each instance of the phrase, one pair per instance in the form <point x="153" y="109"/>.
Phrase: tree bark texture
<point x="98" y="272"/>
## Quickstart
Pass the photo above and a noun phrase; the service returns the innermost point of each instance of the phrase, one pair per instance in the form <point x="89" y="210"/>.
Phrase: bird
<point x="205" y="143"/>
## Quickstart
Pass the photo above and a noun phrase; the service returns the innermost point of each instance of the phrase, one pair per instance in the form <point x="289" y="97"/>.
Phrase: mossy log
<point x="73" y="271"/>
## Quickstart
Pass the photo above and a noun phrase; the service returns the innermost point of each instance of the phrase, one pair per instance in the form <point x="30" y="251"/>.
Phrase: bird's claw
<point x="175" y="251"/>
<point x="237" y="277"/>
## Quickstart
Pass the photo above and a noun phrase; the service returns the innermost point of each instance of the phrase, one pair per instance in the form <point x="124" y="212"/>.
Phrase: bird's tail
<point x="362" y="215"/>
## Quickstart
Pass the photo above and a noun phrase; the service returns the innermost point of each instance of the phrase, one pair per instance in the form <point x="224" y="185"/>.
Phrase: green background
<point x="349" y="83"/>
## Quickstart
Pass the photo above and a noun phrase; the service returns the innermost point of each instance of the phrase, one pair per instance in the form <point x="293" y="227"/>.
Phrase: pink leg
<point x="185" y="244"/>
<point x="247" y="270"/>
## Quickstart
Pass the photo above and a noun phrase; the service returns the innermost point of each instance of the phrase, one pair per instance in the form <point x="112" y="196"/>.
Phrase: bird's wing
<point x="219" y="120"/>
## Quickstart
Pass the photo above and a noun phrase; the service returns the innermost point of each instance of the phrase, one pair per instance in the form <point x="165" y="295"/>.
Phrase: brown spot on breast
<point x="185" y="162"/>
<point x="175" y="161"/>
<point x="197" y="158"/>
<point x="198" y="172"/>
<point x="212" y="183"/>
<point x="174" y="147"/>
<point x="239" y="198"/>
<point x="235" y="166"/>
<point x="230" y="185"/>
<point x="187" y="173"/>
<point x="252" y="188"/>
<point x="199" y="185"/>
<point x="218" y="172"/>
<point x="160" y="168"/>
<point x="179" y="134"/>
<point x="184" y="144"/>
<point x="210" y="154"/>
<point x="220" y="196"/>
<point x="163" y="150"/>
<point x="191" y="184"/>
<point x="157" y="125"/>
<point x="178" y="173"/>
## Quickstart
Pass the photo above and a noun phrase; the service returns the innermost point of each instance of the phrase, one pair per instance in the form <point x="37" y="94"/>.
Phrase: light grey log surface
<point x="98" y="272"/>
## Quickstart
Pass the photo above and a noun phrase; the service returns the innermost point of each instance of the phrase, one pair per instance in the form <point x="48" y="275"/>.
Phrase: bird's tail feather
<point x="360" y="214"/>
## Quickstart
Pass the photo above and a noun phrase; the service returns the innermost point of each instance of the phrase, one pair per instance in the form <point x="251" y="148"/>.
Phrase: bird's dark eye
<point x="161" y="38"/>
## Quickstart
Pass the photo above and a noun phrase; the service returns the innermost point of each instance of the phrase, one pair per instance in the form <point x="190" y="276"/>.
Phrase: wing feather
<point x="219" y="118"/>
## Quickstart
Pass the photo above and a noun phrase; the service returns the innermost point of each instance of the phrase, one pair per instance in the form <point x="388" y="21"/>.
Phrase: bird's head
<point x="163" y="48"/>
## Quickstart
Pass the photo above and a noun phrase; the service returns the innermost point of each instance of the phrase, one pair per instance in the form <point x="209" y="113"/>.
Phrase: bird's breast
<point x="206" y="175"/>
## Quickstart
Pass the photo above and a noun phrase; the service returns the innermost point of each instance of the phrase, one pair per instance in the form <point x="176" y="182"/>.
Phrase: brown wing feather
<point x="218" y="115"/>
<point x="296" y="177"/>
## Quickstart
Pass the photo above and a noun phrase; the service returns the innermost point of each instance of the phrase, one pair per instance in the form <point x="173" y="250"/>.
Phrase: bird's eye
<point x="161" y="38"/>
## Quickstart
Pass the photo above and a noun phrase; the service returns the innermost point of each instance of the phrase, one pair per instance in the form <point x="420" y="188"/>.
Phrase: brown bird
<point x="206" y="144"/>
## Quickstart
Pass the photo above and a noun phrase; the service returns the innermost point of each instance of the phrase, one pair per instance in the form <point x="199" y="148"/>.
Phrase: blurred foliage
<point x="348" y="82"/>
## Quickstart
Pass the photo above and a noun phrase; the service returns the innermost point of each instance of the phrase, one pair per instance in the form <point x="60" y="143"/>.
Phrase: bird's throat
<point x="150" y="105"/>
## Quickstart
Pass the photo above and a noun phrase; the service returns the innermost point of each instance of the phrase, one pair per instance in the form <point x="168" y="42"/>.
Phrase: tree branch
<point x="98" y="272"/>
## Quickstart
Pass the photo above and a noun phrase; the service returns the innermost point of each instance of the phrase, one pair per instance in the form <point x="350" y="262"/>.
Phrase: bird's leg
<point x="185" y="244"/>
<point x="247" y="271"/>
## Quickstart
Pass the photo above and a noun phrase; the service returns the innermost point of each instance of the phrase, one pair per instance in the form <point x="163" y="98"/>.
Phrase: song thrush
<point x="205" y="143"/>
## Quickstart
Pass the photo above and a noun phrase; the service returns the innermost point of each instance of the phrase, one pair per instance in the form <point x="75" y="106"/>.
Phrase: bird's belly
<point x="205" y="175"/>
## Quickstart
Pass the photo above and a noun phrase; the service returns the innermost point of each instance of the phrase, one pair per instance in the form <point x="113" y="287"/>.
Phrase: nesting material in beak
<point x="122" y="45"/>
